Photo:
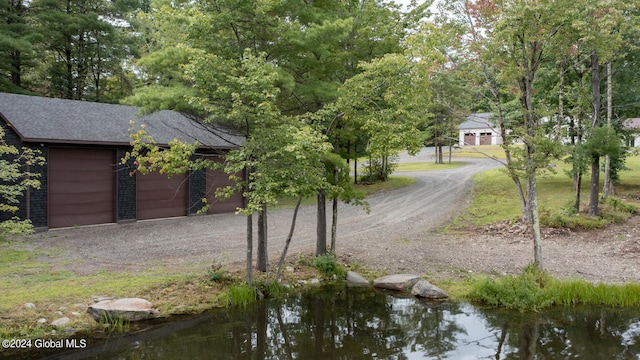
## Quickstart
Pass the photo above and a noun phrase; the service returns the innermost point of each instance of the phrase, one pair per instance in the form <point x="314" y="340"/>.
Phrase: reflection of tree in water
<point x="323" y="324"/>
<point x="432" y="327"/>
<point x="347" y="323"/>
<point x="587" y="332"/>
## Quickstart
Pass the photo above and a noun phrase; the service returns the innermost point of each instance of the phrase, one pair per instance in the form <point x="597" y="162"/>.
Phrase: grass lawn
<point x="479" y="151"/>
<point x="495" y="197"/>
<point x="428" y="166"/>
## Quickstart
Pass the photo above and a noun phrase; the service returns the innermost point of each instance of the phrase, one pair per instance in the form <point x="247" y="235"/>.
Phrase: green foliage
<point x="534" y="290"/>
<point x="379" y="170"/>
<point x="522" y="292"/>
<point x="618" y="205"/>
<point x="15" y="179"/>
<point x="240" y="295"/>
<point x="328" y="265"/>
<point x="217" y="273"/>
<point x="114" y="324"/>
<point x="270" y="290"/>
<point x="603" y="141"/>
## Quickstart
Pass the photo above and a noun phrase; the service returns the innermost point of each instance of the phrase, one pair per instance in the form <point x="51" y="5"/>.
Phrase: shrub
<point x="328" y="265"/>
<point x="217" y="273"/>
<point x="522" y="292"/>
<point x="240" y="295"/>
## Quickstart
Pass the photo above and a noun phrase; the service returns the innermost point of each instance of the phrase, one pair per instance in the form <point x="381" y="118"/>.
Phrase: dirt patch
<point x="610" y="255"/>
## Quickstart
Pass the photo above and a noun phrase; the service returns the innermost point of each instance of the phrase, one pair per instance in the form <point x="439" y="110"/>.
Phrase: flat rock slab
<point x="131" y="309"/>
<point x="399" y="282"/>
<point x="355" y="279"/>
<point x="425" y="289"/>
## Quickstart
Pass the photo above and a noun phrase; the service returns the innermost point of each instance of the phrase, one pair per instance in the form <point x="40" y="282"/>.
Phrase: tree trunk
<point x="250" y="249"/>
<point x="262" y="260"/>
<point x="321" y="240"/>
<point x="249" y="235"/>
<point x="577" y="184"/>
<point x="334" y="217"/>
<point x="608" y="184"/>
<point x="594" y="197"/>
<point x="537" y="236"/>
<point x="288" y="241"/>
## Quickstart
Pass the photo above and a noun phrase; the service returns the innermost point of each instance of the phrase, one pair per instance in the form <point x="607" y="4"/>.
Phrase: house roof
<point x="632" y="124"/>
<point x="40" y="119"/>
<point x="478" y="121"/>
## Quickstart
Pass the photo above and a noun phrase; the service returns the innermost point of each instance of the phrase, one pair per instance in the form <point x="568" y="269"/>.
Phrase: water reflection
<point x="352" y="323"/>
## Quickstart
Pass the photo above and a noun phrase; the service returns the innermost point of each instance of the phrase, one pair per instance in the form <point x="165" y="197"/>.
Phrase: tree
<point x="510" y="47"/>
<point x="435" y="47"/>
<point x="387" y="101"/>
<point x="84" y="44"/>
<point x="16" y="37"/>
<point x="15" y="179"/>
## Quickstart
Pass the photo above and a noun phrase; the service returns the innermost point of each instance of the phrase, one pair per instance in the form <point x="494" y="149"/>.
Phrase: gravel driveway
<point x="195" y="241"/>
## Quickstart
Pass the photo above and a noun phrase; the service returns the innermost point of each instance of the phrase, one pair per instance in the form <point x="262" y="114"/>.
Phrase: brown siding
<point x="159" y="196"/>
<point x="81" y="187"/>
<point x="219" y="179"/>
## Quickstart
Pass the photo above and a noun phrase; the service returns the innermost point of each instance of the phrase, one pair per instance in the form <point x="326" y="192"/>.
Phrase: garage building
<point x="84" y="181"/>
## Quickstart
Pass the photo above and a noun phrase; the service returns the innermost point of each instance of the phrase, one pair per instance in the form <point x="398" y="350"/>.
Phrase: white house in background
<point x="479" y="129"/>
<point x="633" y="126"/>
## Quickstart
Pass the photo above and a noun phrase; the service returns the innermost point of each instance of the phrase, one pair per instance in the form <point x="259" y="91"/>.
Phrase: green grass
<point x="428" y="166"/>
<point x="495" y="199"/>
<point x="240" y="295"/>
<point x="535" y="290"/>
<point x="479" y="151"/>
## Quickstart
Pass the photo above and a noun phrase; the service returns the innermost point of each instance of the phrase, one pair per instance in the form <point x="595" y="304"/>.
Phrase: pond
<point x="360" y="323"/>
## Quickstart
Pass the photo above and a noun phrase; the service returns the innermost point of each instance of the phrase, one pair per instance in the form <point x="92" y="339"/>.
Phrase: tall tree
<point x="84" y="43"/>
<point x="16" y="40"/>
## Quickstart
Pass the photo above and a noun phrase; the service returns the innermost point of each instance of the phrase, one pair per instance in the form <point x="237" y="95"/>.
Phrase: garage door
<point x="160" y="197"/>
<point x="470" y="139"/>
<point x="219" y="179"/>
<point x="485" y="138"/>
<point x="81" y="187"/>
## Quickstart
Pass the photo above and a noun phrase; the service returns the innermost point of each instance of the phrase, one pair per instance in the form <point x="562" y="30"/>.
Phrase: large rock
<point x="62" y="322"/>
<point x="400" y="282"/>
<point x="425" y="289"/>
<point x="355" y="279"/>
<point x="131" y="309"/>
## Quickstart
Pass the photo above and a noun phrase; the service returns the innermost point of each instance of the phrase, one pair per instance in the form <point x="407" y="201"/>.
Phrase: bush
<point x="240" y="295"/>
<point x="522" y="292"/>
<point x="217" y="273"/>
<point x="328" y="265"/>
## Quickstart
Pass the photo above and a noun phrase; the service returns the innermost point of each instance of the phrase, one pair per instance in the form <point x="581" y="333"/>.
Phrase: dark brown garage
<point x="84" y="181"/>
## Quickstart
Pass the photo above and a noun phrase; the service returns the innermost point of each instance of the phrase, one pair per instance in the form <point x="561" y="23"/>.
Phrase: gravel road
<point x="197" y="240"/>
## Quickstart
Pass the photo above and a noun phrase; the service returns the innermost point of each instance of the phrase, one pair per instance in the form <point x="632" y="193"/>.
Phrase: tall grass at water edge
<point x="534" y="289"/>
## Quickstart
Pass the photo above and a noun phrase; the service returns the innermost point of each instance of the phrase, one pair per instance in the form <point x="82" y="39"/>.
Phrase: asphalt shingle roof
<point x="477" y="121"/>
<point x="40" y="119"/>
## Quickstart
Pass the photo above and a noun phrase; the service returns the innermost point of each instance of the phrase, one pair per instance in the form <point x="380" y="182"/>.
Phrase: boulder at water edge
<point x="424" y="289"/>
<point x="399" y="282"/>
<point x="355" y="279"/>
<point x="131" y="309"/>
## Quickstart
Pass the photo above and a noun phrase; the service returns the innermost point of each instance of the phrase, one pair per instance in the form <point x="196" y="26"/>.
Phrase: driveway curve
<point x="195" y="241"/>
